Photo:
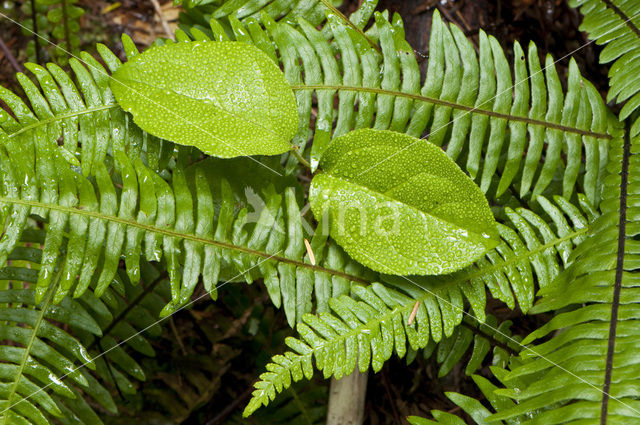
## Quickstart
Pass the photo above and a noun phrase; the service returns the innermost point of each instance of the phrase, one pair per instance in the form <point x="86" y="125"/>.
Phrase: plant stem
<point x="35" y="30"/>
<point x="65" y="24"/>
<point x="471" y="325"/>
<point x="470" y="109"/>
<point x="163" y="21"/>
<point x="299" y="157"/>
<point x="123" y="314"/>
<point x="12" y="60"/>
<point x="346" y="399"/>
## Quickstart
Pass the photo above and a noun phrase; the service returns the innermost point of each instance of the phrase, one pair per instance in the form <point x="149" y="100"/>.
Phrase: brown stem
<point x="7" y="53"/>
<point x="220" y="417"/>
<point x="127" y="310"/>
<point x="163" y="21"/>
<point x="34" y="18"/>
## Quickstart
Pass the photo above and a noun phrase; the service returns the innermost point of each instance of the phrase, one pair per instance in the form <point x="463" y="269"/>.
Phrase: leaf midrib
<point x="470" y="109"/>
<point x="417" y="210"/>
<point x="465" y="277"/>
<point x="61" y="117"/>
<point x="626" y="20"/>
<point x="215" y="105"/>
<point x="617" y="287"/>
<point x="417" y="97"/>
<point x="187" y="236"/>
<point x="27" y="350"/>
<point x="179" y="235"/>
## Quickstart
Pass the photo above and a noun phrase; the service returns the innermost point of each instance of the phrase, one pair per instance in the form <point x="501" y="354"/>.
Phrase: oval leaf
<point x="400" y="205"/>
<point x="226" y="98"/>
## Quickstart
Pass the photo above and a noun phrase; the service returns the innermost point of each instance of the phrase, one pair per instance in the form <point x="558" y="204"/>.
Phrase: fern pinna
<point x="581" y="365"/>
<point x="535" y="111"/>
<point x="47" y="372"/>
<point x="118" y="206"/>
<point x="51" y="25"/>
<point x="616" y="23"/>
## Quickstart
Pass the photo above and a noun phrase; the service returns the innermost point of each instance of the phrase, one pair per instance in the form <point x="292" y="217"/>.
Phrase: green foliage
<point x="416" y="212"/>
<point x="52" y="21"/>
<point x="235" y="102"/>
<point x="490" y="117"/>
<point x="370" y="325"/>
<point x="108" y="198"/>
<point x="479" y="338"/>
<point x="564" y="375"/>
<point x="188" y="222"/>
<point x="199" y="12"/>
<point x="38" y="354"/>
<point x="85" y="116"/>
<point x="616" y="23"/>
<point x="35" y="352"/>
<point x="578" y="366"/>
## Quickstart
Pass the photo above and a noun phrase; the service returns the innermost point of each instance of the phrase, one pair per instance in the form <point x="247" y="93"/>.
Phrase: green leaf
<point x="227" y="98"/>
<point x="414" y="212"/>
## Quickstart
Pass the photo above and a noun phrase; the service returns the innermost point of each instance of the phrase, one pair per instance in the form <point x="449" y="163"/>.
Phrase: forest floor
<point x="225" y="331"/>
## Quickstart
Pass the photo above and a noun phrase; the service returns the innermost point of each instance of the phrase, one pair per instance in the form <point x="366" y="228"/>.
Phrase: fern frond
<point x="36" y="132"/>
<point x="369" y="326"/>
<point x="478" y="338"/>
<point x="115" y="365"/>
<point x="84" y="116"/>
<point x="199" y="12"/>
<point x="467" y="100"/>
<point x="51" y="20"/>
<point x="476" y="410"/>
<point x="126" y="328"/>
<point x="36" y="352"/>
<point x="189" y="223"/>
<point x="123" y="203"/>
<point x="616" y="23"/>
<point x="106" y="330"/>
<point x="585" y="370"/>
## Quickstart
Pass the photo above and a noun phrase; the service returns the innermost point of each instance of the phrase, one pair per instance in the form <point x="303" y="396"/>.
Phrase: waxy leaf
<point x="400" y="205"/>
<point x="226" y="98"/>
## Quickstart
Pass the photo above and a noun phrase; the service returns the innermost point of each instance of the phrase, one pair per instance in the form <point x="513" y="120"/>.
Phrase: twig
<point x="35" y="29"/>
<point x="430" y="4"/>
<point x="385" y="383"/>
<point x="123" y="314"/>
<point x="7" y="53"/>
<point x="447" y="14"/>
<point x="299" y="157"/>
<point x="183" y="350"/>
<point x="231" y="407"/>
<point x="163" y="21"/>
<point x="456" y="10"/>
